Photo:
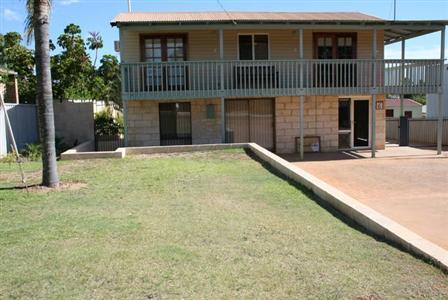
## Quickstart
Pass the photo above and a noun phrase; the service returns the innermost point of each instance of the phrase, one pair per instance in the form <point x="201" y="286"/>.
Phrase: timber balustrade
<point x="199" y="79"/>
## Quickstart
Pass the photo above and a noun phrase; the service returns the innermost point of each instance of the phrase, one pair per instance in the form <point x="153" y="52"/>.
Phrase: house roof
<point x="394" y="102"/>
<point x="169" y="17"/>
<point x="394" y="31"/>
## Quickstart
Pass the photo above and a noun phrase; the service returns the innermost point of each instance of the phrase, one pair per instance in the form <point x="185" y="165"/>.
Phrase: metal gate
<point x="175" y="123"/>
<point x="250" y="120"/>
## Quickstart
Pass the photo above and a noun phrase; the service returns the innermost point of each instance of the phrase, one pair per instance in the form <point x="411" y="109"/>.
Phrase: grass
<point x="202" y="225"/>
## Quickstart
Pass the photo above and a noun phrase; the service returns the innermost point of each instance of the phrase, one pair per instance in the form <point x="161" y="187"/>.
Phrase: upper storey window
<point x="163" y="48"/>
<point x="253" y="46"/>
<point x="335" y="45"/>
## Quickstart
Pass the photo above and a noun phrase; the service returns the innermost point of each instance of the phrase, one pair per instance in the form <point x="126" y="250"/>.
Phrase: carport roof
<point x="394" y="31"/>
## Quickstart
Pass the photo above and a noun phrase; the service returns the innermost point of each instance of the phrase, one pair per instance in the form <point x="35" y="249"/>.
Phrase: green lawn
<point x="202" y="225"/>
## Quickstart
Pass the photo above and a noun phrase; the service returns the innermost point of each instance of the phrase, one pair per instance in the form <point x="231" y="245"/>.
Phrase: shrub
<point x="32" y="152"/>
<point x="106" y="124"/>
<point x="9" y="158"/>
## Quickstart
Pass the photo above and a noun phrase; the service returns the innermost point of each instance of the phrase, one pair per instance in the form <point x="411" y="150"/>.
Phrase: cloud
<point x="68" y="2"/>
<point x="11" y="15"/>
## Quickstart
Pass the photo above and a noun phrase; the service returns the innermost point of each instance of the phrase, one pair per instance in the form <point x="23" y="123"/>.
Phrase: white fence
<point x="197" y="79"/>
<point x="23" y="119"/>
<point x="421" y="131"/>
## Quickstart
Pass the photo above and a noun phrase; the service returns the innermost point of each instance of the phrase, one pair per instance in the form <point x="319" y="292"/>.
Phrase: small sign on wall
<point x="380" y="105"/>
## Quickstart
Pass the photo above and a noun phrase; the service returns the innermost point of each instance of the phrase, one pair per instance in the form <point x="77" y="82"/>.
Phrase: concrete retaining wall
<point x="368" y="218"/>
<point x="86" y="150"/>
<point x="74" y="122"/>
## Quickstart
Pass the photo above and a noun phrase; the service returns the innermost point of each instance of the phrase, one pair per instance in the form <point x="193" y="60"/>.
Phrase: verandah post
<point x="302" y="97"/>
<point x="440" y="92"/>
<point x="374" y="90"/>
<point x="403" y="49"/>
<point x="223" y="113"/>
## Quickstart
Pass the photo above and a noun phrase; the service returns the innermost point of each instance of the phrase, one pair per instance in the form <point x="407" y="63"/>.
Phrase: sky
<point x="95" y="15"/>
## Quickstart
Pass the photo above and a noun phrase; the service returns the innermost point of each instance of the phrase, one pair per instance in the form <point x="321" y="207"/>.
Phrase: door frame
<point x="352" y="120"/>
<point x="274" y="116"/>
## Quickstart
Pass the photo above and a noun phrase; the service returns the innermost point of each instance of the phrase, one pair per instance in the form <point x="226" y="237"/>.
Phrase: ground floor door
<point x="250" y="120"/>
<point x="361" y="123"/>
<point x="354" y="123"/>
<point x="175" y="123"/>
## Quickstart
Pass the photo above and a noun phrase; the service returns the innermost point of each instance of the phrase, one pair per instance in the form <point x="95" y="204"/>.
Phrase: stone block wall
<point x="321" y="118"/>
<point x="143" y="122"/>
<point x="286" y="123"/>
<point x="205" y="130"/>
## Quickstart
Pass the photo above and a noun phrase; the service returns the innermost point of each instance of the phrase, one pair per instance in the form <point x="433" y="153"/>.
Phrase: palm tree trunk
<point x="44" y="93"/>
<point x="96" y="56"/>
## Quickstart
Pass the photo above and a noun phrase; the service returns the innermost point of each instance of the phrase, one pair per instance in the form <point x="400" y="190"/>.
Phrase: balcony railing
<point x="198" y="79"/>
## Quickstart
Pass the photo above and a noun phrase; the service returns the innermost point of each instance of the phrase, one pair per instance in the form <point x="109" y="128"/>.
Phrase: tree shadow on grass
<point x="38" y="188"/>
<point x="18" y="187"/>
<point x="334" y="212"/>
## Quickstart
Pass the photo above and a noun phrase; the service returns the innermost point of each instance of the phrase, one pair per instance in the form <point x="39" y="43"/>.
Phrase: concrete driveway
<point x="411" y="190"/>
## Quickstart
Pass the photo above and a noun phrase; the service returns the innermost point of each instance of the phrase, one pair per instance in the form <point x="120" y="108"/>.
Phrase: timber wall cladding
<point x="283" y="44"/>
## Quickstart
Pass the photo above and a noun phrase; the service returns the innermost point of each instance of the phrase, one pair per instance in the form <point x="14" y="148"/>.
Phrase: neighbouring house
<point x="411" y="108"/>
<point x="433" y="99"/>
<point x="9" y="85"/>
<point x="269" y="78"/>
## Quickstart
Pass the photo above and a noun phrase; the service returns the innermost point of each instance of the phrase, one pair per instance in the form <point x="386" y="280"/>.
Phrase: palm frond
<point x="29" y="21"/>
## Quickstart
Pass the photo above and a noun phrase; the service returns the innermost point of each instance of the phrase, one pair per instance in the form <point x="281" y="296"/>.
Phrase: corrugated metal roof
<point x="394" y="102"/>
<point x="173" y="17"/>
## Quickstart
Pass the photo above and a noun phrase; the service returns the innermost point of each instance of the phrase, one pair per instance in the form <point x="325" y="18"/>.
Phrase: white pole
<point x="129" y="6"/>
<point x="440" y="116"/>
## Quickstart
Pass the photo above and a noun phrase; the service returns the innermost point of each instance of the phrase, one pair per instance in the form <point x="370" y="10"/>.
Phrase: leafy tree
<point x="20" y="59"/>
<point x="109" y="72"/>
<point x="95" y="42"/>
<point x="72" y="69"/>
<point x="38" y="24"/>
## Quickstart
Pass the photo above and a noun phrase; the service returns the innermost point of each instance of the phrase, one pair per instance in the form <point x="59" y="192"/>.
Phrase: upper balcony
<point x="200" y="55"/>
<point x="271" y="78"/>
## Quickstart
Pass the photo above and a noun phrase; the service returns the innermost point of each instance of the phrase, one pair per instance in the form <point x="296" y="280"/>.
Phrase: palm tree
<point x="38" y="25"/>
<point x="95" y="42"/>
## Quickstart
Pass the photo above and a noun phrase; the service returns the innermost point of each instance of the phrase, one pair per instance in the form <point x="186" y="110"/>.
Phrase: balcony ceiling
<point x="394" y="31"/>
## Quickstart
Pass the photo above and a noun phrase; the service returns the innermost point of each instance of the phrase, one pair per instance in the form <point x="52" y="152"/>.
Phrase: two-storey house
<point x="287" y="81"/>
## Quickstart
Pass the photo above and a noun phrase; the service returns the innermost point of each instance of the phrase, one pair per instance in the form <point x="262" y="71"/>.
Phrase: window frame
<point x="253" y="44"/>
<point x="388" y="110"/>
<point x="408" y="114"/>
<point x="163" y="37"/>
<point x="334" y="40"/>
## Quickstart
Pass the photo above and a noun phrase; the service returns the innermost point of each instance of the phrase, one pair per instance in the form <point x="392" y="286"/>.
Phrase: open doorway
<point x="354" y="123"/>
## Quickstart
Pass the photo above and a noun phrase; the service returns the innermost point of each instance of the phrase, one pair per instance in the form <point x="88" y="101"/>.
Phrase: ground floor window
<point x="389" y="113"/>
<point x="408" y="114"/>
<point x="175" y="123"/>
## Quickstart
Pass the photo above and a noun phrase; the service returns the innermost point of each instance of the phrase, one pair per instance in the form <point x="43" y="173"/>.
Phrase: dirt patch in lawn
<point x="63" y="186"/>
<point x="230" y="155"/>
